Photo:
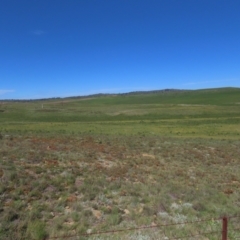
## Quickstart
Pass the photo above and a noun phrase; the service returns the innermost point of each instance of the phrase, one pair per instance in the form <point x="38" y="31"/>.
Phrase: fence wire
<point x="232" y="230"/>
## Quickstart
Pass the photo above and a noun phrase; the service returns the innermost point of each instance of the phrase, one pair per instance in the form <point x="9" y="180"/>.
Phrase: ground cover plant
<point x="81" y="166"/>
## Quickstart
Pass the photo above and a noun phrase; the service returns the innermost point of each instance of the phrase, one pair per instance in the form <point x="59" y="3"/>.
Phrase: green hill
<point x="108" y="113"/>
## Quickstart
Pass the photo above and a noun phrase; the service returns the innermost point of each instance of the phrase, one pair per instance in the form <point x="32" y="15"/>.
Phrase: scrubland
<point x="74" y="166"/>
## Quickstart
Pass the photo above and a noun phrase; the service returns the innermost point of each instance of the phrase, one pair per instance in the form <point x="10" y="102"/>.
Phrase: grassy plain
<point x="71" y="166"/>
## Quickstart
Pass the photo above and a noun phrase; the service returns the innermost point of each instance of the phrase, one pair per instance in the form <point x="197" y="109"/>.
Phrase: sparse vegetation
<point x="113" y="162"/>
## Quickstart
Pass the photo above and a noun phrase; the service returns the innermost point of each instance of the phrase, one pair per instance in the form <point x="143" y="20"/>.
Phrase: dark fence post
<point x="224" y="228"/>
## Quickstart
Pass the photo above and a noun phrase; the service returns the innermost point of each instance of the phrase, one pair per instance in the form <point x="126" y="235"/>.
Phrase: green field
<point x="203" y="113"/>
<point x="78" y="165"/>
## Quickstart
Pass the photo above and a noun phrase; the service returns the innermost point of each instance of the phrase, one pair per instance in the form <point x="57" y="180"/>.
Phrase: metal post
<point x="224" y="228"/>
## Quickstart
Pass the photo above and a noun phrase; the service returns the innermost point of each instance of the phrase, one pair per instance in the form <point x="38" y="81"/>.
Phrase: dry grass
<point x="78" y="183"/>
<point x="111" y="162"/>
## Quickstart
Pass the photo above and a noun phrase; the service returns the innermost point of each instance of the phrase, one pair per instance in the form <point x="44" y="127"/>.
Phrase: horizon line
<point x="123" y="93"/>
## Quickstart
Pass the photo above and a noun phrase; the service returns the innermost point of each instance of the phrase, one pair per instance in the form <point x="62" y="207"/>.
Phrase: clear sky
<point x="59" y="48"/>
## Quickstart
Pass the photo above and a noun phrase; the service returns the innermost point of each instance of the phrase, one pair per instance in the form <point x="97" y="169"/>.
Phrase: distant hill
<point x="195" y="96"/>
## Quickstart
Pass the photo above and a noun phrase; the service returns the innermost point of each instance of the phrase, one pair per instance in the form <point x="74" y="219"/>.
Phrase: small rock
<point x="126" y="211"/>
<point x="97" y="214"/>
<point x="148" y="155"/>
<point x="153" y="224"/>
<point x="89" y="231"/>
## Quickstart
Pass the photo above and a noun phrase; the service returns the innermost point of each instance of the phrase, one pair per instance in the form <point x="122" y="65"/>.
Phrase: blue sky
<point x="59" y="48"/>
